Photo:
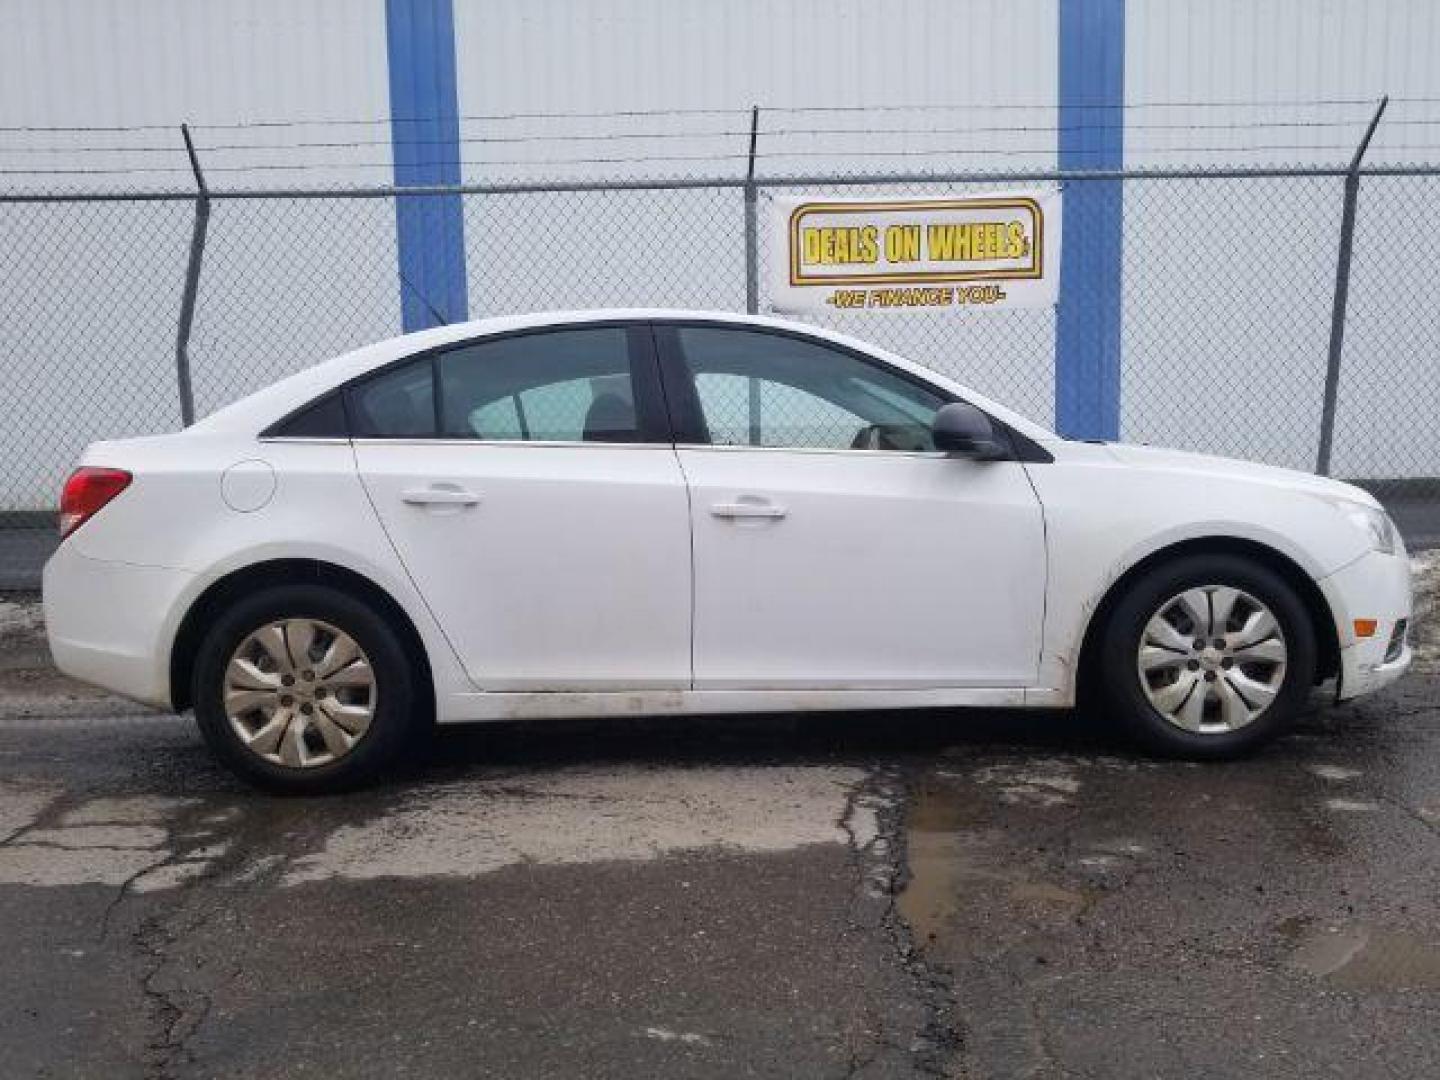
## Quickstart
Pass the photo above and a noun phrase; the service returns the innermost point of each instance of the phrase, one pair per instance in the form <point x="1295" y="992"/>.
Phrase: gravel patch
<point x="1425" y="636"/>
<point x="20" y="619"/>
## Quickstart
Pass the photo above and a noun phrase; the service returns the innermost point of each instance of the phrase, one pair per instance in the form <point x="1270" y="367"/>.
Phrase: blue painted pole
<point x="1092" y="136"/>
<point x="425" y="133"/>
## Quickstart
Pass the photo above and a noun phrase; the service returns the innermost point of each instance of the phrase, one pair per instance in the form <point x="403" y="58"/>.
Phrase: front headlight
<point x="1375" y="523"/>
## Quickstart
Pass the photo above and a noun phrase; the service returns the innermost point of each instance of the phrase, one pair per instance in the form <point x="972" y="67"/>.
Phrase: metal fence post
<point x="752" y="255"/>
<point x="1342" y="294"/>
<point x="752" y="267"/>
<point x="192" y="283"/>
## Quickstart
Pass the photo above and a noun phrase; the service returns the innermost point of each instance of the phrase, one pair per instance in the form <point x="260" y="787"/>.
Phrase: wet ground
<point x="886" y="895"/>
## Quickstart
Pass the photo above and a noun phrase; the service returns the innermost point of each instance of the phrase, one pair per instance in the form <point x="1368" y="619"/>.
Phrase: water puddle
<point x="1362" y="958"/>
<point x="955" y="860"/>
<point x="934" y="845"/>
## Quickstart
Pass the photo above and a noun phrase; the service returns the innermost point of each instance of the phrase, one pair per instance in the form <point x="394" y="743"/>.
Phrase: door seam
<point x="405" y="569"/>
<point x="689" y="521"/>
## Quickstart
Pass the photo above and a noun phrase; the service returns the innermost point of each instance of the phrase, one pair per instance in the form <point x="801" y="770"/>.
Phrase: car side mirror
<point x="963" y="430"/>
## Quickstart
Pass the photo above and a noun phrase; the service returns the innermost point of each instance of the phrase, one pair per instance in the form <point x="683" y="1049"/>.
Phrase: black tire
<point x="394" y="726"/>
<point x="1119" y="687"/>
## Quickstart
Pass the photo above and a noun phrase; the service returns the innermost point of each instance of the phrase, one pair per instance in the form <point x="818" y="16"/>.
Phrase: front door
<point x="833" y="548"/>
<point x="531" y="491"/>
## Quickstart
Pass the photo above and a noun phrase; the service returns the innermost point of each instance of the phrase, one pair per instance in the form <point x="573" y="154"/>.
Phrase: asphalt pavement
<point x="26" y="541"/>
<point x="881" y="895"/>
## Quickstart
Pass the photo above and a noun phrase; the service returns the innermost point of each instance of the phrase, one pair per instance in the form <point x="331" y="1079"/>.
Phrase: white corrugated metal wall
<point x="92" y="292"/>
<point x="1310" y="71"/>
<point x="544" y="68"/>
<point x="865" y="61"/>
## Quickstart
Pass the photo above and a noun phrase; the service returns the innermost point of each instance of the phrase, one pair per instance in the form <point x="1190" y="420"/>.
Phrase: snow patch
<point x="1351" y="806"/>
<point x="1336" y="773"/>
<point x="692" y="1038"/>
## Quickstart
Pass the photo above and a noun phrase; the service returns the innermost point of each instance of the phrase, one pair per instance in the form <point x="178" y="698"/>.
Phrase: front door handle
<point x="744" y="509"/>
<point x="439" y="496"/>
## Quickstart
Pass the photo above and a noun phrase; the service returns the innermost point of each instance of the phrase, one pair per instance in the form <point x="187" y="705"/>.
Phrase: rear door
<point x="834" y="548"/>
<point x="529" y="485"/>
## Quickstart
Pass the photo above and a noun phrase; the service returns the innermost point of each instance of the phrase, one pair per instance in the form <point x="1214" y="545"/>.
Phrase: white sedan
<point x="629" y="512"/>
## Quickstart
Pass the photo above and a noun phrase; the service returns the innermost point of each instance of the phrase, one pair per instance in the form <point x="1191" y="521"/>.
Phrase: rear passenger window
<point x="554" y="386"/>
<point x="397" y="404"/>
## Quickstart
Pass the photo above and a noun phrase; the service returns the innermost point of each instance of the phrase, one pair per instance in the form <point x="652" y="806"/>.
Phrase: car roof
<point x="257" y="412"/>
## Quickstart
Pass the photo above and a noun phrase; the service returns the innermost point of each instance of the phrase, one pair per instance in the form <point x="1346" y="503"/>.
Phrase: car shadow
<point x="763" y="739"/>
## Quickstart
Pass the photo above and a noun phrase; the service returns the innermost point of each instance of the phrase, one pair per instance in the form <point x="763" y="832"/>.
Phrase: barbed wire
<point x="788" y="132"/>
<point x="617" y="114"/>
<point x="969" y="151"/>
<point x="771" y="151"/>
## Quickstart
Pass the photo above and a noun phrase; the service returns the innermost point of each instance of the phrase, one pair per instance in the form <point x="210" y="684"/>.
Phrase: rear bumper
<point x="108" y="623"/>
<point x="1377" y="587"/>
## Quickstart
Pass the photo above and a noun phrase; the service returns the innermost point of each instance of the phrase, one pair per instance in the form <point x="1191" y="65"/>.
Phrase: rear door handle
<point x="747" y="510"/>
<point x="439" y="496"/>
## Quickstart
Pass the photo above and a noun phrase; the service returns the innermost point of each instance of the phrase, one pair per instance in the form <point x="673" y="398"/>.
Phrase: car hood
<point x="1182" y="462"/>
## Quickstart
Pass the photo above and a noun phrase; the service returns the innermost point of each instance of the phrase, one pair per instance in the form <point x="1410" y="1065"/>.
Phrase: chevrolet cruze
<point x="627" y="512"/>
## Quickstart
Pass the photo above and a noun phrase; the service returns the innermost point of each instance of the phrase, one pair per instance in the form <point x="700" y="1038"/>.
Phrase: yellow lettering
<point x="1016" y="237"/>
<point x="902" y="243"/>
<point x="976" y="241"/>
<point x="827" y="245"/>
<point x="869" y="249"/>
<point x="811" y="245"/>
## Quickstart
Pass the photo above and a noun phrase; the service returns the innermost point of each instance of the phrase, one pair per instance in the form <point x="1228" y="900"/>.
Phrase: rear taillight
<point x="86" y="492"/>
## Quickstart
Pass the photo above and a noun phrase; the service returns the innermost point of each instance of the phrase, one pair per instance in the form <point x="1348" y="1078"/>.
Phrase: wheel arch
<point x="1321" y="617"/>
<point x="276" y="572"/>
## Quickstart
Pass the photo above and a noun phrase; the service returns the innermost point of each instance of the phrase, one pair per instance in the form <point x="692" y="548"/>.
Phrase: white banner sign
<point x="997" y="250"/>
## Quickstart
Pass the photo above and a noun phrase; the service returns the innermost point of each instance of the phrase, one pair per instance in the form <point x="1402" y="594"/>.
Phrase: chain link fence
<point x="1229" y="283"/>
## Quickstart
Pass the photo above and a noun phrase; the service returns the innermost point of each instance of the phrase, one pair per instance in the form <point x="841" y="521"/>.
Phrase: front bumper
<point x="1375" y="586"/>
<point x="109" y="623"/>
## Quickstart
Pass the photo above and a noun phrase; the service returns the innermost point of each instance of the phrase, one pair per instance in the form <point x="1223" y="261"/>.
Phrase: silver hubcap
<point x="1212" y="659"/>
<point x="300" y="693"/>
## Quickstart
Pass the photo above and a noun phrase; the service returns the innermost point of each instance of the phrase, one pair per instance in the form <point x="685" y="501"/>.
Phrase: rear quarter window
<point x="324" y="419"/>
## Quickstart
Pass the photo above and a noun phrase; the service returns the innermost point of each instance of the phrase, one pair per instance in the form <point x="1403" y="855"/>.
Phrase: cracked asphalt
<point x="878" y="895"/>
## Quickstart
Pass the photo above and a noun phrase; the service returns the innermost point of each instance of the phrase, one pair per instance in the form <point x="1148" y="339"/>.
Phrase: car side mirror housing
<point x="964" y="431"/>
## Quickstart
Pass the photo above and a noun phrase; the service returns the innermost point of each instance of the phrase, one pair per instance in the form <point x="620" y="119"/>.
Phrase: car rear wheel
<point x="1207" y="657"/>
<point x="304" y="689"/>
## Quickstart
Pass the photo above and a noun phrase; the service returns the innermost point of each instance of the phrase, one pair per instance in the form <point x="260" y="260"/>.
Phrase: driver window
<point x="770" y="390"/>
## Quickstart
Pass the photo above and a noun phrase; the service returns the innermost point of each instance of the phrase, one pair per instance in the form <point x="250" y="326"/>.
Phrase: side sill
<point x="506" y="705"/>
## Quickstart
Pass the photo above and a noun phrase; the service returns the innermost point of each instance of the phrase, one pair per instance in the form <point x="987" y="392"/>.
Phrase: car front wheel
<point x="1208" y="656"/>
<point x="304" y="689"/>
